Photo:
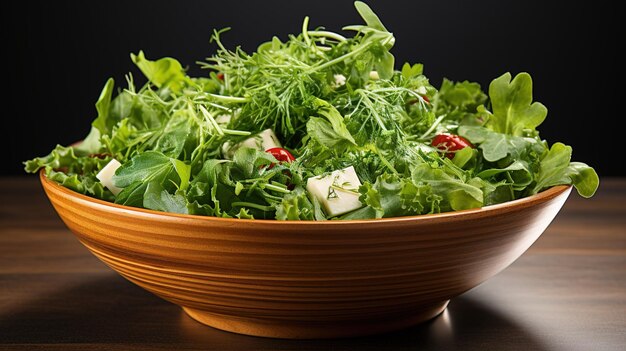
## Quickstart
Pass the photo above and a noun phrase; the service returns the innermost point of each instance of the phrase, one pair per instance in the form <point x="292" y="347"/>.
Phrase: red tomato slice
<point x="450" y="142"/>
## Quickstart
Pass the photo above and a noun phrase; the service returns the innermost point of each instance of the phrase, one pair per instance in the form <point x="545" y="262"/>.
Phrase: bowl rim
<point x="505" y="207"/>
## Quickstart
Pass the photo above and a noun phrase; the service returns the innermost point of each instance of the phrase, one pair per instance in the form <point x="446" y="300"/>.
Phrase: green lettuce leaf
<point x="496" y="146"/>
<point x="295" y="206"/>
<point x="555" y="169"/>
<point x="512" y="106"/>
<point x="517" y="173"/>
<point x="163" y="73"/>
<point x="456" y="193"/>
<point x="459" y="101"/>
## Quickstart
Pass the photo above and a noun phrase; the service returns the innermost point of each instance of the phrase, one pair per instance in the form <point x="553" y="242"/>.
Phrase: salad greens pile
<point x="334" y="102"/>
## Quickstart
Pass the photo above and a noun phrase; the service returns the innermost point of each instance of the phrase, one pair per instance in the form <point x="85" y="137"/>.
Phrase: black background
<point x="58" y="54"/>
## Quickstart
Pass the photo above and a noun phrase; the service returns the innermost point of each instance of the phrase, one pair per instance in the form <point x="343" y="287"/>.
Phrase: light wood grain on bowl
<point x="307" y="279"/>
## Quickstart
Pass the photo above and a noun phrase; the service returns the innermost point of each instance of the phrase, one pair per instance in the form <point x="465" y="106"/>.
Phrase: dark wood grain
<point x="568" y="292"/>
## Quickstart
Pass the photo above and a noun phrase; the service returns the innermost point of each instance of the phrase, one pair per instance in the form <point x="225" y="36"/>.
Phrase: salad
<point x="315" y="127"/>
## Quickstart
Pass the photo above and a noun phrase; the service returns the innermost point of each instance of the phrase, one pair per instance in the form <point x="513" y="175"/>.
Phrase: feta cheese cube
<point x="261" y="141"/>
<point x="421" y="90"/>
<point x="337" y="192"/>
<point x="374" y="75"/>
<point x="340" y="80"/>
<point x="222" y="120"/>
<point x="107" y="173"/>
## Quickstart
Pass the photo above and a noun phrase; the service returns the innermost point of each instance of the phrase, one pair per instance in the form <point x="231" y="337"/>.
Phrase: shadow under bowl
<point x="307" y="279"/>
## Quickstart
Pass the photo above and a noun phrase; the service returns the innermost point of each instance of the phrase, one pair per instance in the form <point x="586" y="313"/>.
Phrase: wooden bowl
<point x="307" y="279"/>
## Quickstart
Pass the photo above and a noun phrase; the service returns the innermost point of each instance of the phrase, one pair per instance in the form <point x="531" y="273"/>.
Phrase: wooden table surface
<point x="567" y="292"/>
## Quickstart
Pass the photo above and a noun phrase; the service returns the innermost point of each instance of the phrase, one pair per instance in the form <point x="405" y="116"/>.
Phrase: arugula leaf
<point x="513" y="109"/>
<point x="322" y="131"/>
<point x="132" y="195"/>
<point x="176" y="134"/>
<point x="335" y="118"/>
<point x="250" y="161"/>
<point x="157" y="198"/>
<point x="202" y="191"/>
<point x="103" y="123"/>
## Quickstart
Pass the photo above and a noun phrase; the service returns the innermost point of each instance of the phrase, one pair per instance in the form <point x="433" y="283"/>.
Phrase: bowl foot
<point x="314" y="330"/>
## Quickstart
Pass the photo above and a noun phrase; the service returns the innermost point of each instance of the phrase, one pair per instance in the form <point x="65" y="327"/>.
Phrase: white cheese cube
<point x="340" y="80"/>
<point x="261" y="141"/>
<point x="107" y="173"/>
<point x="222" y="120"/>
<point x="421" y="90"/>
<point x="337" y="192"/>
<point x="374" y="75"/>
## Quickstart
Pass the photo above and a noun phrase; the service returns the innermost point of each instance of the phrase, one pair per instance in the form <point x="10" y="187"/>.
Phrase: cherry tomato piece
<point x="450" y="142"/>
<point x="220" y="76"/>
<point x="281" y="154"/>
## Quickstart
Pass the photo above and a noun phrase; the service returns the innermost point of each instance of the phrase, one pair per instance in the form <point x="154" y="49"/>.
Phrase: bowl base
<point x="322" y="330"/>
